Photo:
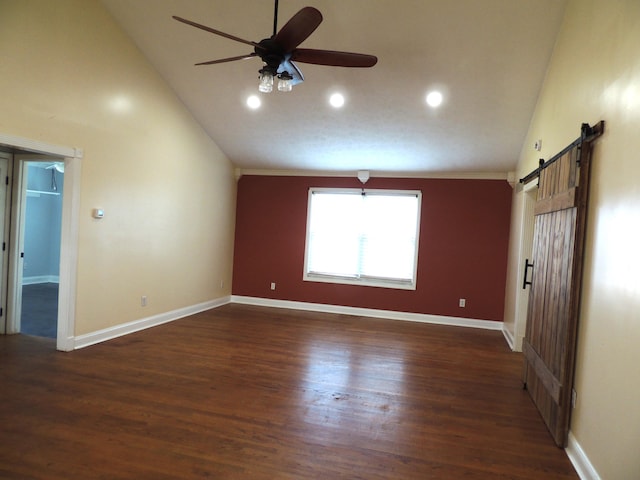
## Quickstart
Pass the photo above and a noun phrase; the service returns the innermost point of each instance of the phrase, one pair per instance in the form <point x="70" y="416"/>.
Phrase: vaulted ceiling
<point x="487" y="57"/>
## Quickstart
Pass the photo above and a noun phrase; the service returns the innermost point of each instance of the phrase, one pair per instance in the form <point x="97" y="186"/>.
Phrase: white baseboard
<point x="40" y="279"/>
<point x="508" y="336"/>
<point x="580" y="461"/>
<point x="98" y="336"/>
<point x="103" y="335"/>
<point x="369" y="312"/>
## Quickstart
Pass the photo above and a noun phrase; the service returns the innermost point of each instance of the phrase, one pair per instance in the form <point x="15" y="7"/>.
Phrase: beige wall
<point x="595" y="75"/>
<point x="69" y="76"/>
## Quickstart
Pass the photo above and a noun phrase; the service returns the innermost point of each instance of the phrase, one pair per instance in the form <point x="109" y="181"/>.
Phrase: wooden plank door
<point x="552" y="319"/>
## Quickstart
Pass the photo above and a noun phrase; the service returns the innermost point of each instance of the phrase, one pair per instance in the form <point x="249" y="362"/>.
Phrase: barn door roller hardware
<point x="587" y="134"/>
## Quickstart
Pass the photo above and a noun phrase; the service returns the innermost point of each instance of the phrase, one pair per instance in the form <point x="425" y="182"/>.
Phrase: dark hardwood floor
<point x="244" y="392"/>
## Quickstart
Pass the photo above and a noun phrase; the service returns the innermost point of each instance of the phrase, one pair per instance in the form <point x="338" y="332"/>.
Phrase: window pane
<point x="334" y="236"/>
<point x="389" y="235"/>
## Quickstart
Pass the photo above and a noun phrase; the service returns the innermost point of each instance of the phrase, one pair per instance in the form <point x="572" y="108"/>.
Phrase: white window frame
<point x="363" y="280"/>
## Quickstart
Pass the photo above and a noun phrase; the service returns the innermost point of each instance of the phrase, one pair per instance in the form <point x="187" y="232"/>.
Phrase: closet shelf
<point x="34" y="193"/>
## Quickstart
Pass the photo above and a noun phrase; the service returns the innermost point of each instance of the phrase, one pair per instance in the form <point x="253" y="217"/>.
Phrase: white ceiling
<point x="488" y="57"/>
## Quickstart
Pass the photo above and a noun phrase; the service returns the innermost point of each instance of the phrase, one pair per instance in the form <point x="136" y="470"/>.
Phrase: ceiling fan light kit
<point x="285" y="82"/>
<point x="279" y="51"/>
<point x="266" y="81"/>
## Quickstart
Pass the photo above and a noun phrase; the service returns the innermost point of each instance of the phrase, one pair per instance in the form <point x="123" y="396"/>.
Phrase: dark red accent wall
<point x="464" y="237"/>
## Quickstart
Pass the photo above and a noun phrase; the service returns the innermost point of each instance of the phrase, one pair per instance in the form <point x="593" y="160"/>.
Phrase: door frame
<point x="72" y="158"/>
<point x="529" y="193"/>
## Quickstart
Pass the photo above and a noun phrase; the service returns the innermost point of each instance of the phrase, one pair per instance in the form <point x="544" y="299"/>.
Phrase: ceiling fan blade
<point x="218" y="32"/>
<point x="230" y="59"/>
<point x="332" y="58"/>
<point x="298" y="28"/>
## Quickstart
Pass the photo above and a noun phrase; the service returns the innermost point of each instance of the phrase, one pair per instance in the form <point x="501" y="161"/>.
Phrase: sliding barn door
<point x="550" y="340"/>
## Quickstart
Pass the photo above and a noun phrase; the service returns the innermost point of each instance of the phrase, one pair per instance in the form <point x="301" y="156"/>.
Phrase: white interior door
<point x="16" y="241"/>
<point x="5" y="202"/>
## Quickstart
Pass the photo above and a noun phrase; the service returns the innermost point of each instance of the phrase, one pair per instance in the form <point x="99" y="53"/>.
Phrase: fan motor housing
<point x="270" y="53"/>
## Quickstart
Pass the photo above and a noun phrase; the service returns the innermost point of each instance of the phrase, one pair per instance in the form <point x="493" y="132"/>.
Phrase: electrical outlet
<point x="273" y="285"/>
<point x="462" y="303"/>
<point x="221" y="284"/>
<point x="143" y="301"/>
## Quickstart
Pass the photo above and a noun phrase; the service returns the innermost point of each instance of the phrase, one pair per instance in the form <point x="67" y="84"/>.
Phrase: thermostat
<point x="98" y="213"/>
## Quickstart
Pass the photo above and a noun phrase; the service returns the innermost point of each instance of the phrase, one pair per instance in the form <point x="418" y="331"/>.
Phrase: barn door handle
<point x="527" y="265"/>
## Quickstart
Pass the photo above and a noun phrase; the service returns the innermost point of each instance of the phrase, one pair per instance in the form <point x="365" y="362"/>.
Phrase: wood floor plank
<point x="256" y="393"/>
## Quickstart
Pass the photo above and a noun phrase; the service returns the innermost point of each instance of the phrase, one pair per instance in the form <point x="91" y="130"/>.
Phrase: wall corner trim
<point x="508" y="336"/>
<point x="580" y="461"/>
<point x="369" y="312"/>
<point x="110" y="333"/>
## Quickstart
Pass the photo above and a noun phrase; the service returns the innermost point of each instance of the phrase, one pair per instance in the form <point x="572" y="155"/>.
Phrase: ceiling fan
<point x="280" y="51"/>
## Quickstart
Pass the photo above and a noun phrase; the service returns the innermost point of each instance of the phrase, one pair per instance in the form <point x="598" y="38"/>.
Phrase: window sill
<point x="360" y="281"/>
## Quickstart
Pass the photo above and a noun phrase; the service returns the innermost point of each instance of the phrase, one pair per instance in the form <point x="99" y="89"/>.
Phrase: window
<point x="363" y="237"/>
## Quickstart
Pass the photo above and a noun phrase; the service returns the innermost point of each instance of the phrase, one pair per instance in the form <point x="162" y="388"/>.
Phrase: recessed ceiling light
<point x="253" y="102"/>
<point x="336" y="100"/>
<point x="434" y="99"/>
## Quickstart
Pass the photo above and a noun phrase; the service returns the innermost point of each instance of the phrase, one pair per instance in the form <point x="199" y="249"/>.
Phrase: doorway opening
<point x="42" y="218"/>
